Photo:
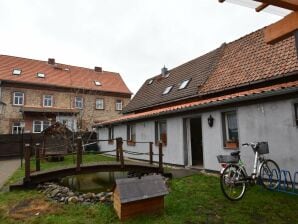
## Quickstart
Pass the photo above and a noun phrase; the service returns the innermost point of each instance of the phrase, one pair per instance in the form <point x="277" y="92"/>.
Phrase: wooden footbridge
<point x="120" y="163"/>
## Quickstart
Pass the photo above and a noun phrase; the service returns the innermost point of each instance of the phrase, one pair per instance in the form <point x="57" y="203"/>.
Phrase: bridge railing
<point x="35" y="149"/>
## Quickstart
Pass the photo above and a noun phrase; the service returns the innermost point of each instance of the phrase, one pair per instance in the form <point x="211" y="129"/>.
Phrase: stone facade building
<point x="35" y="94"/>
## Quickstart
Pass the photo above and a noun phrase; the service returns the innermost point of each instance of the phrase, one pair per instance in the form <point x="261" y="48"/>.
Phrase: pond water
<point x="95" y="182"/>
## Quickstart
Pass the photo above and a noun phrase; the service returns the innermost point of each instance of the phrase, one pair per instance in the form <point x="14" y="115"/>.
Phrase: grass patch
<point x="194" y="199"/>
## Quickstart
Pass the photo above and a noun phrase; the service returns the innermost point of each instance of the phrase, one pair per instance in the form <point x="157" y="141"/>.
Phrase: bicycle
<point x="234" y="178"/>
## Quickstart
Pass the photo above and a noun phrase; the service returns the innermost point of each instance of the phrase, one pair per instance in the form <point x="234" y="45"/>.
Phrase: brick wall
<point x="63" y="98"/>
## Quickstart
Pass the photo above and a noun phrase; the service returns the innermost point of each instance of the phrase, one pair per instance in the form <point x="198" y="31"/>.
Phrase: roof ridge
<point x="63" y="64"/>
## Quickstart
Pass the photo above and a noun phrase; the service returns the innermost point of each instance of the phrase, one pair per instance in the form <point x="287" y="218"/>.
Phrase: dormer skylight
<point x="167" y="90"/>
<point x="97" y="83"/>
<point x="184" y="84"/>
<point x="150" y="81"/>
<point x="40" y="75"/>
<point x="16" y="71"/>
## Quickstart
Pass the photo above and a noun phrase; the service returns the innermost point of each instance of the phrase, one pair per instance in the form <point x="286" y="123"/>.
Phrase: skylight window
<point x="97" y="83"/>
<point x="16" y="71"/>
<point x="184" y="84"/>
<point x="150" y="82"/>
<point x="40" y="75"/>
<point x="167" y="90"/>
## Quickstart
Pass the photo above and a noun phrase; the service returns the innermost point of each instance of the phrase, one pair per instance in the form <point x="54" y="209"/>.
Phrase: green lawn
<point x="194" y="199"/>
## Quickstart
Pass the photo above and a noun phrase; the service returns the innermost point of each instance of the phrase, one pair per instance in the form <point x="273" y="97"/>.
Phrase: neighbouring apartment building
<point x="243" y="91"/>
<point x="34" y="94"/>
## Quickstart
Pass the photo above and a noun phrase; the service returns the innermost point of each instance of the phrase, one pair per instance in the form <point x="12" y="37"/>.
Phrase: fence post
<point x="160" y="157"/>
<point x="120" y="149"/>
<point x="151" y="152"/>
<point x="37" y="156"/>
<point x="79" y="153"/>
<point x="117" y="149"/>
<point x="27" y="162"/>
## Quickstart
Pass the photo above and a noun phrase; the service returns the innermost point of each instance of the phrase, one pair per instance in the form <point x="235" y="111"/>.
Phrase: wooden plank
<point x="146" y="206"/>
<point x="37" y="157"/>
<point x="151" y="152"/>
<point x="27" y="163"/>
<point x="160" y="155"/>
<point x="261" y="7"/>
<point x="281" y="29"/>
<point x="79" y="153"/>
<point x="286" y="4"/>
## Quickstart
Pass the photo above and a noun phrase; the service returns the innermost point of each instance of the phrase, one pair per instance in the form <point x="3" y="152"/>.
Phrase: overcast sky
<point x="133" y="37"/>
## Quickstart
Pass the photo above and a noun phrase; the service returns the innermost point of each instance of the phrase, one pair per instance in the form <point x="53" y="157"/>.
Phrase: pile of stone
<point x="64" y="195"/>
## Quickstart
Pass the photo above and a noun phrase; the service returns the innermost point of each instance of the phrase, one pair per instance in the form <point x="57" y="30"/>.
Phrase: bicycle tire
<point x="233" y="182"/>
<point x="269" y="174"/>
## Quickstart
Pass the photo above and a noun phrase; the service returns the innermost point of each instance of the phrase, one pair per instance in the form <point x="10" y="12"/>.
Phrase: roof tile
<point x="60" y="75"/>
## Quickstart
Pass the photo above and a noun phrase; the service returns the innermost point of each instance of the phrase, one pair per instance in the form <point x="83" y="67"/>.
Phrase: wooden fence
<point x="13" y="145"/>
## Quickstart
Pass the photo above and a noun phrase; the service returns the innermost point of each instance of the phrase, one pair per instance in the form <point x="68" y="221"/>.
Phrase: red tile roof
<point x="206" y="103"/>
<point x="242" y="62"/>
<point x="249" y="59"/>
<point x="60" y="75"/>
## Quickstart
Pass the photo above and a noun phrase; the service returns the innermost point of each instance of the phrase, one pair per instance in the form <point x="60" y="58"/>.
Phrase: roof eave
<point x="208" y="105"/>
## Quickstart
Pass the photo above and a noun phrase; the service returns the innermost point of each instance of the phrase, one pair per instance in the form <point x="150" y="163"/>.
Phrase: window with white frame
<point x="118" y="104"/>
<point x="131" y="133"/>
<point x="184" y="84"/>
<point x="79" y="102"/>
<point x="39" y="126"/>
<point x="16" y="128"/>
<point x="16" y="71"/>
<point x="47" y="100"/>
<point x="99" y="104"/>
<point x="18" y="98"/>
<point x="230" y="129"/>
<point x="167" y="90"/>
<point x="161" y="132"/>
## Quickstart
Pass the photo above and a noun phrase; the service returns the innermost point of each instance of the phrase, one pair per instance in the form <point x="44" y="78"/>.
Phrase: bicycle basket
<point x="227" y="159"/>
<point x="262" y="148"/>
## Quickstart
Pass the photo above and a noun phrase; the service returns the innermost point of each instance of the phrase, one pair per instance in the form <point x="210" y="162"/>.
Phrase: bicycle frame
<point x="256" y="167"/>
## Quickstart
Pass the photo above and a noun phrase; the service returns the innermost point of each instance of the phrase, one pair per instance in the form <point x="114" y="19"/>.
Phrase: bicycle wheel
<point x="233" y="182"/>
<point x="269" y="174"/>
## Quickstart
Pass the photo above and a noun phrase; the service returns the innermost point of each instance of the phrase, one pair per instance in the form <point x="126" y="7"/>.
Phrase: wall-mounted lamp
<point x="210" y="121"/>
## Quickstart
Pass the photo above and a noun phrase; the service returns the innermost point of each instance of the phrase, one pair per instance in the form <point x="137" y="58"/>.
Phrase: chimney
<point x="164" y="71"/>
<point x="51" y="61"/>
<point x="98" y="69"/>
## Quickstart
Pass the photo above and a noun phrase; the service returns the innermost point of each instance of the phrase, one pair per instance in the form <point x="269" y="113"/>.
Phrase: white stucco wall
<point x="269" y="121"/>
<point x="145" y="133"/>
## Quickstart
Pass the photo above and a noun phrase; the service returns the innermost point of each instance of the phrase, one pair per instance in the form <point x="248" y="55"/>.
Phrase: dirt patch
<point x="31" y="207"/>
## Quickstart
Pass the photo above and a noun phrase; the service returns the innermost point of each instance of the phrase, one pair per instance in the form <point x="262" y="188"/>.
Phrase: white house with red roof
<point x="243" y="91"/>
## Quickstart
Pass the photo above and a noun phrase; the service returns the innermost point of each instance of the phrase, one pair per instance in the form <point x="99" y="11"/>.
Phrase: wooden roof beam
<point x="281" y="29"/>
<point x="286" y="4"/>
<point x="261" y="7"/>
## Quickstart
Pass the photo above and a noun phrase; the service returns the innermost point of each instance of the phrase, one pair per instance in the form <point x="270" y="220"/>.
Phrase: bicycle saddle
<point x="235" y="153"/>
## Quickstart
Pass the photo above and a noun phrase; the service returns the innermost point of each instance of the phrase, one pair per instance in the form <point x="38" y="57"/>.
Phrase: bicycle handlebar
<point x="252" y="144"/>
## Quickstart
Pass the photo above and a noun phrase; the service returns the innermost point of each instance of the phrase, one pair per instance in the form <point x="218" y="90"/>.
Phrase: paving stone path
<point x="7" y="168"/>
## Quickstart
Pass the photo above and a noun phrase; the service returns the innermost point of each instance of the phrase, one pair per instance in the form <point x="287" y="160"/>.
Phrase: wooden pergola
<point x="284" y="27"/>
